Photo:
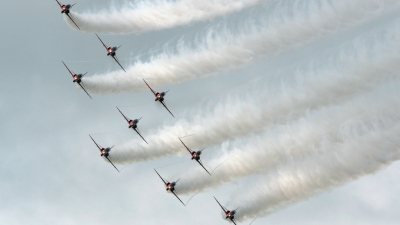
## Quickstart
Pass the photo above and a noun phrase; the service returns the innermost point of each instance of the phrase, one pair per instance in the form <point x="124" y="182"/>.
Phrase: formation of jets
<point x="228" y="214"/>
<point x="111" y="51"/>
<point x="133" y="124"/>
<point x="105" y="152"/>
<point x="170" y="186"/>
<point x="195" y="155"/>
<point x="77" y="78"/>
<point x="159" y="96"/>
<point x="65" y="9"/>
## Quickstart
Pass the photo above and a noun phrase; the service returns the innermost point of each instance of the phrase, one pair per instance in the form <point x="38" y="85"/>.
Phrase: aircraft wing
<point x="167" y="108"/>
<point x="116" y="60"/>
<point x="186" y="147"/>
<point x="127" y="120"/>
<point x="105" y="46"/>
<point x="149" y="87"/>
<point x="161" y="177"/>
<point x="201" y="164"/>
<point x="178" y="197"/>
<point x="72" y="19"/>
<point x="233" y="221"/>
<point x="112" y="164"/>
<point x="223" y="208"/>
<point x="72" y="74"/>
<point x="95" y="143"/>
<point x="59" y="3"/>
<point x="141" y="136"/>
<point x="85" y="90"/>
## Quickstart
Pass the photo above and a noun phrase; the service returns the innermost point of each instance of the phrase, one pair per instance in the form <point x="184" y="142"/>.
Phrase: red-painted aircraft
<point x="65" y="9"/>
<point x="170" y="186"/>
<point x="77" y="78"/>
<point x="133" y="124"/>
<point x="105" y="152"/>
<point x="228" y="214"/>
<point x="159" y="97"/>
<point x="195" y="155"/>
<point x="111" y="51"/>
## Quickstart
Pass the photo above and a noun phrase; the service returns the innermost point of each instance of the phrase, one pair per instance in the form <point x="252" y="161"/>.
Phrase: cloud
<point x="362" y="66"/>
<point x="364" y="148"/>
<point x="143" y="16"/>
<point x="222" y="50"/>
<point x="293" y="141"/>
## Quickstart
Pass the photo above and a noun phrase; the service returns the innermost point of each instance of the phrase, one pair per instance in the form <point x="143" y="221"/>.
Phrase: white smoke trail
<point x="221" y="52"/>
<point x="357" y="72"/>
<point x="359" y="155"/>
<point x="143" y="16"/>
<point x="294" y="141"/>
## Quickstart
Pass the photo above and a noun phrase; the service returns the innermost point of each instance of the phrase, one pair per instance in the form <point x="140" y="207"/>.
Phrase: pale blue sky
<point x="51" y="172"/>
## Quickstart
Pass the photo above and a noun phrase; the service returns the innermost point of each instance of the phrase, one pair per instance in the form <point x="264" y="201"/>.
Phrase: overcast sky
<point x="51" y="172"/>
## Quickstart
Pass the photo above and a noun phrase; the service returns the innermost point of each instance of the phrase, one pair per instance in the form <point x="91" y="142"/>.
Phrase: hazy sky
<point x="51" y="172"/>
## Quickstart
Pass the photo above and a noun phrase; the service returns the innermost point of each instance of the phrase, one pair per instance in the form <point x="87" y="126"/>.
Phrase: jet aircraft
<point x="77" y="78"/>
<point x="133" y="124"/>
<point x="228" y="214"/>
<point x="65" y="9"/>
<point x="170" y="186"/>
<point x="105" y="152"/>
<point x="111" y="51"/>
<point x="159" y="97"/>
<point x="195" y="155"/>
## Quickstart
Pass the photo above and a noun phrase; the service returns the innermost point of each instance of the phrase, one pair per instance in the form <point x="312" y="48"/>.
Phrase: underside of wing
<point x="72" y="74"/>
<point x="127" y="119"/>
<point x="73" y="20"/>
<point x="161" y="177"/>
<point x="187" y="148"/>
<point x="223" y="208"/>
<point x="85" y="90"/>
<point x="112" y="164"/>
<point x="116" y="60"/>
<point x="178" y="197"/>
<point x="149" y="87"/>
<point x="141" y="136"/>
<point x="201" y="164"/>
<point x="105" y="46"/>
<point x="98" y="146"/>
<point x="167" y="109"/>
<point x="59" y="3"/>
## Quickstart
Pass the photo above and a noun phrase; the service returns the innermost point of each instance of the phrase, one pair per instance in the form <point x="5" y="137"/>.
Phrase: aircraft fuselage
<point x="111" y="51"/>
<point x="195" y="155"/>
<point x="76" y="79"/>
<point x="104" y="152"/>
<point x="159" y="97"/>
<point x="170" y="187"/>
<point x="132" y="124"/>
<point x="65" y="9"/>
<point x="230" y="215"/>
